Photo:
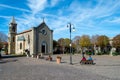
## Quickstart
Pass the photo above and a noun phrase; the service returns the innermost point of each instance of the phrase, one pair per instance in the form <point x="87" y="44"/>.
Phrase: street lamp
<point x="71" y="29"/>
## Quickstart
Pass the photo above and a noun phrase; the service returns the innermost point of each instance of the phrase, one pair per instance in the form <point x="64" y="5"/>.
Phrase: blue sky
<point x="89" y="17"/>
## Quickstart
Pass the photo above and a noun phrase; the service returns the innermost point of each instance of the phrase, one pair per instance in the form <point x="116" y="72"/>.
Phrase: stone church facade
<point x="37" y="39"/>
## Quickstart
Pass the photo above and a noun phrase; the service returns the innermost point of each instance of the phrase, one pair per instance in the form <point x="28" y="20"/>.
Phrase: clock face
<point x="44" y="32"/>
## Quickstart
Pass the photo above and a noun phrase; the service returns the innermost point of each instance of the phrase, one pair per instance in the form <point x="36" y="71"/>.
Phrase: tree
<point x="55" y="47"/>
<point x="76" y="38"/>
<point x="3" y="38"/>
<point x="67" y="45"/>
<point x="103" y="42"/>
<point x="1" y="45"/>
<point x="76" y="41"/>
<point x="116" y="43"/>
<point x="61" y="44"/>
<point x="61" y="41"/>
<point x="67" y="42"/>
<point x="55" y="44"/>
<point x="64" y="45"/>
<point x="85" y="41"/>
<point x="94" y="39"/>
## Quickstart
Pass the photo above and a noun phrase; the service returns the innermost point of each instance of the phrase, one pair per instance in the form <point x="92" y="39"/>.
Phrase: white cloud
<point x="5" y="17"/>
<point x="54" y="2"/>
<point x="86" y="19"/>
<point x="26" y="21"/>
<point x="87" y="15"/>
<point x="113" y="20"/>
<point x="16" y="8"/>
<point x="102" y="9"/>
<point x="37" y="5"/>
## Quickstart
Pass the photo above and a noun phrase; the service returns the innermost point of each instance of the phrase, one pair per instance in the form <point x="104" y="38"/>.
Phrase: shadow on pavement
<point x="63" y="62"/>
<point x="109" y="65"/>
<point x="12" y="56"/>
<point x="5" y="61"/>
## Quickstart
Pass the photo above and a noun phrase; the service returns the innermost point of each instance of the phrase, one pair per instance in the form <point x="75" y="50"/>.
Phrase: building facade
<point x="36" y="40"/>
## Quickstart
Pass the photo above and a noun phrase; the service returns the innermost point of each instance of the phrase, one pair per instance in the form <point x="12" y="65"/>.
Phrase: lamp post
<point x="70" y="28"/>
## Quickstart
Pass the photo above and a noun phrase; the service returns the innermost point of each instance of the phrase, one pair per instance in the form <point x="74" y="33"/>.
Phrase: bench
<point x="86" y="62"/>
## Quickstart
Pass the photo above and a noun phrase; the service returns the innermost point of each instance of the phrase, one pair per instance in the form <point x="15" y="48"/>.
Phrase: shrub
<point x="99" y="53"/>
<point x="115" y="53"/>
<point x="89" y="53"/>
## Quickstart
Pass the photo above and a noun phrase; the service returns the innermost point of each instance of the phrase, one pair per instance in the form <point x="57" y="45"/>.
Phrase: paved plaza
<point x="23" y="68"/>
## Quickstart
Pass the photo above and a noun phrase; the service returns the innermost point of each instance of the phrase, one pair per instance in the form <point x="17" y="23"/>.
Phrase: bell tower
<point x="11" y="36"/>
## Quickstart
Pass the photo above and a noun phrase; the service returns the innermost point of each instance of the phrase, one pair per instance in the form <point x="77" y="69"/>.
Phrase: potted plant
<point x="58" y="59"/>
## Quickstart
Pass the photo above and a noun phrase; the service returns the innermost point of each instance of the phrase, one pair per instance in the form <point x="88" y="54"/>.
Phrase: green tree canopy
<point x="85" y="41"/>
<point x="67" y="41"/>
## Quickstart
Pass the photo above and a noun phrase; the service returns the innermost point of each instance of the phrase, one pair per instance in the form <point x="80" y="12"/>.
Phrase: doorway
<point x="44" y="47"/>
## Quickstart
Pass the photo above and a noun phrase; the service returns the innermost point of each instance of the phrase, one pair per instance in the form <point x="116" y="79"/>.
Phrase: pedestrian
<point x="83" y="59"/>
<point x="83" y="53"/>
<point x="27" y="52"/>
<point x="90" y="58"/>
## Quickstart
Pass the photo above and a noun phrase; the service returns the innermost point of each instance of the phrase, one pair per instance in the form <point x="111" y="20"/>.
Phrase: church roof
<point x="42" y="24"/>
<point x="24" y="32"/>
<point x="21" y="38"/>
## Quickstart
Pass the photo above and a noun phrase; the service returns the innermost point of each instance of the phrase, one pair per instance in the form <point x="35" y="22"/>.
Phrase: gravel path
<point x="22" y="68"/>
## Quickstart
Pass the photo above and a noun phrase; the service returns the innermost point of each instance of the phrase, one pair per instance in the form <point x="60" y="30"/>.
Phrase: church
<point x="36" y="40"/>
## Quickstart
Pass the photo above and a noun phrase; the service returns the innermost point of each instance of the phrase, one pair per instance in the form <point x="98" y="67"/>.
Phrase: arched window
<point x="20" y="45"/>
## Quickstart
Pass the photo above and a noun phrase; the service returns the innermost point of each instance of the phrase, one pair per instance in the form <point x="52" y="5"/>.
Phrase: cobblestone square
<point x="23" y="68"/>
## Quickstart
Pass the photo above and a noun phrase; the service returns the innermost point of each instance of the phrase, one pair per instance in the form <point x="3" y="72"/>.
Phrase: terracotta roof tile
<point x="24" y="32"/>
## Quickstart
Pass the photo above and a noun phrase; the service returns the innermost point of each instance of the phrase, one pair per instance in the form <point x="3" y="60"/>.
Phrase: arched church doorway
<point x="44" y="47"/>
